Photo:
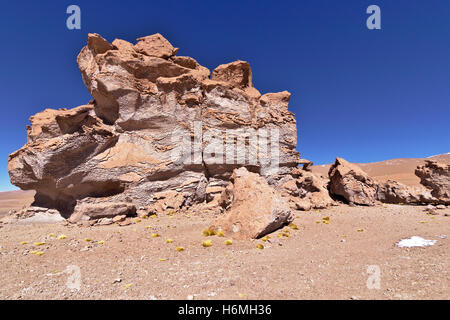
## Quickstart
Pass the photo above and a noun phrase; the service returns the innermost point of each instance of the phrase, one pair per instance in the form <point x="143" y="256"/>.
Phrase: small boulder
<point x="155" y="46"/>
<point x="166" y="201"/>
<point x="300" y="204"/>
<point x="101" y="210"/>
<point x="395" y="192"/>
<point x="119" y="218"/>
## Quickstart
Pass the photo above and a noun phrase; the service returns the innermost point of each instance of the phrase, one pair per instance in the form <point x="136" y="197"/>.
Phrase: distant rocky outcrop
<point x="398" y="193"/>
<point x="436" y="176"/>
<point x="115" y="154"/>
<point x="350" y="182"/>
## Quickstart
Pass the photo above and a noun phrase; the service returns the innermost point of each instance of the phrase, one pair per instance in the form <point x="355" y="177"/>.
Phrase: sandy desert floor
<point x="317" y="261"/>
<point x="15" y="200"/>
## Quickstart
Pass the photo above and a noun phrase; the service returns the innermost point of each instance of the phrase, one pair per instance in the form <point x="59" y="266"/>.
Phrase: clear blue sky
<point x="360" y="94"/>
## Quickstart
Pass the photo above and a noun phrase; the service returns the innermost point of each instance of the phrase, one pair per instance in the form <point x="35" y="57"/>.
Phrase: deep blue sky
<point x="360" y="94"/>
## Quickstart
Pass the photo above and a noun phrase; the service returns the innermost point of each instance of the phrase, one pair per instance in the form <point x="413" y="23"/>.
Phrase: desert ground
<point x="331" y="258"/>
<point x="15" y="200"/>
<point x="318" y="261"/>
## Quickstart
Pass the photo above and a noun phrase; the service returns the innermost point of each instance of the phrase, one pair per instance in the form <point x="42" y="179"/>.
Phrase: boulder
<point x="303" y="204"/>
<point x="88" y="211"/>
<point x="155" y="46"/>
<point x="436" y="177"/>
<point x="255" y="208"/>
<point x="305" y="190"/>
<point x="398" y="193"/>
<point x="430" y="209"/>
<point x="119" y="218"/>
<point x="157" y="125"/>
<point x="314" y="188"/>
<point x="166" y="201"/>
<point x="349" y="181"/>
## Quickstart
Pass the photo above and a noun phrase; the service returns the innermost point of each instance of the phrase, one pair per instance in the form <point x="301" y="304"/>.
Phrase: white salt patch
<point x="43" y="217"/>
<point x="415" y="241"/>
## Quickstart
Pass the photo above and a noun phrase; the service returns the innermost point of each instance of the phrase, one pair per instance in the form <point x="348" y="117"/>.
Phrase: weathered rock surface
<point x="307" y="164"/>
<point x="352" y="183"/>
<point x="436" y="176"/>
<point x="119" y="218"/>
<point x="398" y="193"/>
<point x="88" y="211"/>
<point x="125" y="146"/>
<point x="254" y="207"/>
<point x="305" y="190"/>
<point x="155" y="46"/>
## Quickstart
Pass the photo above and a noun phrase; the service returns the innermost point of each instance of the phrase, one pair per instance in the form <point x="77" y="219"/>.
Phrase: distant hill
<point x="10" y="200"/>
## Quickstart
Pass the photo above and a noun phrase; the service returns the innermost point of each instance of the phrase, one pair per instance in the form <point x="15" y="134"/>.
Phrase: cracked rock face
<point x="305" y="190"/>
<point x="352" y="183"/>
<point x="436" y="176"/>
<point x="397" y="193"/>
<point x="124" y="146"/>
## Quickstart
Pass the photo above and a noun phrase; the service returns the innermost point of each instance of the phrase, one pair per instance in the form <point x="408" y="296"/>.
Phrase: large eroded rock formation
<point x="124" y="147"/>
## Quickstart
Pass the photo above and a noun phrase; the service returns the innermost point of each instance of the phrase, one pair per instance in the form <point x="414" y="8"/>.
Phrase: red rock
<point x="436" y="176"/>
<point x="237" y="73"/>
<point x="155" y="46"/>
<point x="256" y="208"/>
<point x="352" y="183"/>
<point x="97" y="44"/>
<point x="101" y="210"/>
<point x="118" y="148"/>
